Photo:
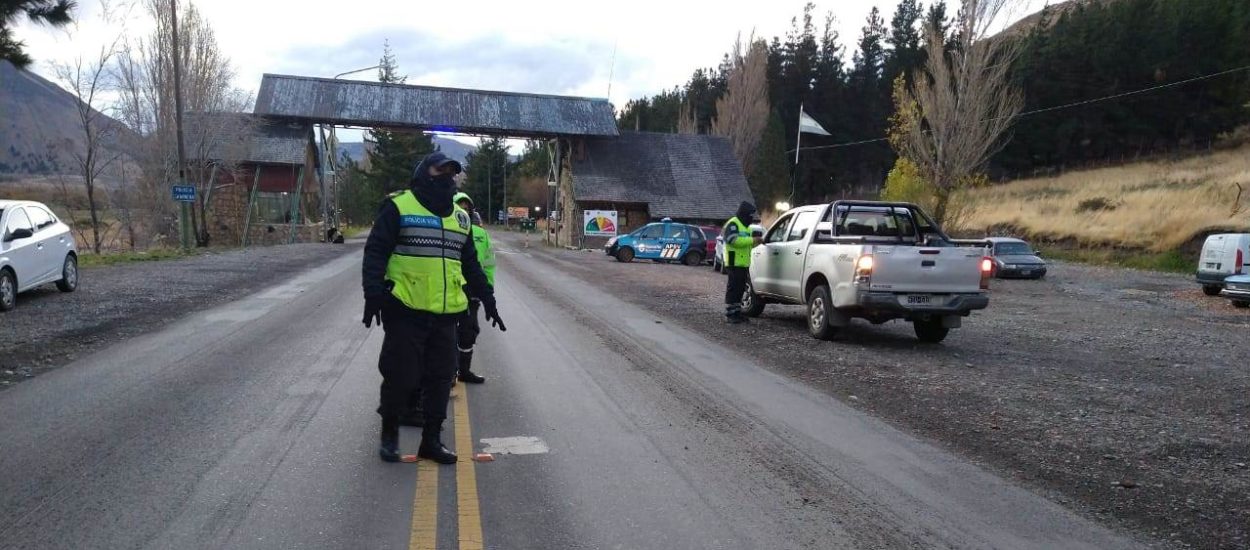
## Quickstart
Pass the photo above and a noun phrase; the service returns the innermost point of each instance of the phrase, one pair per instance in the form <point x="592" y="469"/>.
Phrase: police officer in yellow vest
<point x="420" y="268"/>
<point x="737" y="261"/>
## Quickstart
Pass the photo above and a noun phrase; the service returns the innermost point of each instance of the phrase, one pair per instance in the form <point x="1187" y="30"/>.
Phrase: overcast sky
<point x="554" y="47"/>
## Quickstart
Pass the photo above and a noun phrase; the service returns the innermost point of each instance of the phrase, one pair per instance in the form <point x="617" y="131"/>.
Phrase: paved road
<point x="251" y="425"/>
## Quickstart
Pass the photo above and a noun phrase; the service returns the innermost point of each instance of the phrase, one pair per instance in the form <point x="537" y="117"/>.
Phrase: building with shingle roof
<point x="647" y="176"/>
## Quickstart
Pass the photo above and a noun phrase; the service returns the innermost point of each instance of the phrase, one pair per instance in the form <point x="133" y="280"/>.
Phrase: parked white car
<point x="35" y="249"/>
<point x="1222" y="256"/>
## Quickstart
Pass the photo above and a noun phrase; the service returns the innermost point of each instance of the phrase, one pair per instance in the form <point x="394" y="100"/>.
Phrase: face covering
<point x="435" y="193"/>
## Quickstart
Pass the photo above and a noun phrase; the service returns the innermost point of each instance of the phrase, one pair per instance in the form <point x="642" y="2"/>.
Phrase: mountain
<point x="455" y="149"/>
<point x="39" y="126"/>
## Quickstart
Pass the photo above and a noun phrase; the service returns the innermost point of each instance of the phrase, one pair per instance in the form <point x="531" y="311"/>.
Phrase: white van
<point x="1222" y="255"/>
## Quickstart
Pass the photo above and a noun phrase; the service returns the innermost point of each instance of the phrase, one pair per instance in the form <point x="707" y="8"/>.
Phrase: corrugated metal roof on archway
<point x="374" y="104"/>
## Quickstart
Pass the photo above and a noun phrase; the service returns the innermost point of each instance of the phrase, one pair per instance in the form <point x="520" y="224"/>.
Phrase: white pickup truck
<point x="871" y="260"/>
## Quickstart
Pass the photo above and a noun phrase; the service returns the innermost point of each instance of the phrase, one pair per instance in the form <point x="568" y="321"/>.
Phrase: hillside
<point x="1157" y="206"/>
<point x="454" y="149"/>
<point x="39" y="128"/>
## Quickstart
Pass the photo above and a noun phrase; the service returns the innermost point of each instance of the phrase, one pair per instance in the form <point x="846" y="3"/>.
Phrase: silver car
<point x="36" y="248"/>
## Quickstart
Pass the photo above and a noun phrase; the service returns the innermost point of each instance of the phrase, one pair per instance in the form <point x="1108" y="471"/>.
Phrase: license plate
<point x="1027" y="272"/>
<point x="919" y="300"/>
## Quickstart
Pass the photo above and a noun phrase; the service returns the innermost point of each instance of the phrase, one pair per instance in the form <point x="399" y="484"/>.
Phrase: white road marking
<point x="520" y="445"/>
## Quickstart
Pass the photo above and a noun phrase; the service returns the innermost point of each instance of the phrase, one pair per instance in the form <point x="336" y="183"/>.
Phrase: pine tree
<point x="770" y="179"/>
<point x="394" y="155"/>
<point x="870" y="100"/>
<point x="904" y="40"/>
<point x="55" y="13"/>
<point x="486" y="168"/>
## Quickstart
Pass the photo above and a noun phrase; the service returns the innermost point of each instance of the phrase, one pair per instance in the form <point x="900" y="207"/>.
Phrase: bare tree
<point x="953" y="114"/>
<point x="87" y="80"/>
<point x="144" y="72"/>
<point x="686" y="121"/>
<point x="742" y="112"/>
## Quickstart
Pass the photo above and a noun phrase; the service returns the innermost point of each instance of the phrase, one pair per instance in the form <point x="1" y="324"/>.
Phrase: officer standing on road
<point x="468" y="328"/>
<point x="419" y="263"/>
<point x="738" y="244"/>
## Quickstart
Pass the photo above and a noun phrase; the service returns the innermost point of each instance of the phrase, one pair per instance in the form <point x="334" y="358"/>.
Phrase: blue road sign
<point x="184" y="193"/>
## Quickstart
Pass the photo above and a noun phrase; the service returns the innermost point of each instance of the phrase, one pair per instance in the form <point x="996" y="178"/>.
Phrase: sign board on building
<point x="599" y="223"/>
<point x="183" y="193"/>
<point x="515" y="212"/>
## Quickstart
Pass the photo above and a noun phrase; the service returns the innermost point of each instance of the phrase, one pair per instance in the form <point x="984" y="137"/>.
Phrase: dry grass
<point x="1156" y="206"/>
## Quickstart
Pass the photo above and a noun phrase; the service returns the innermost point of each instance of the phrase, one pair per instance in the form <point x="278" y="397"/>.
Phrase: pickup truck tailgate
<point x="929" y="270"/>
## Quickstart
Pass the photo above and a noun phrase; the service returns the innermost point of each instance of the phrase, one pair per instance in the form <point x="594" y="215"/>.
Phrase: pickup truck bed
<point x="871" y="260"/>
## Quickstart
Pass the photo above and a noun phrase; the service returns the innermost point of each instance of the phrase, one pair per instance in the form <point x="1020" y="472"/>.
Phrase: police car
<point x="663" y="241"/>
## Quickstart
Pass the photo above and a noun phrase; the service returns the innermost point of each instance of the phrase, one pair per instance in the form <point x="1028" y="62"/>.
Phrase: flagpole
<point x="798" y="144"/>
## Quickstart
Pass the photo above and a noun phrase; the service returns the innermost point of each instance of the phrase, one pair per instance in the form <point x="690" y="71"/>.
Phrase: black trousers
<point x="468" y="327"/>
<point x="418" y="354"/>
<point x="735" y="287"/>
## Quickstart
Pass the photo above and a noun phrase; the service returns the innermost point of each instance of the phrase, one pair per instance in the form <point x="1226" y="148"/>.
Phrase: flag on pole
<point x="809" y="125"/>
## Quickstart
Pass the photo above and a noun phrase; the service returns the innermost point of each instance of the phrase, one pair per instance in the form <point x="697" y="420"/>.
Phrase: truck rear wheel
<point x="1211" y="290"/>
<point x="930" y="330"/>
<point x="820" y="313"/>
<point x="752" y="305"/>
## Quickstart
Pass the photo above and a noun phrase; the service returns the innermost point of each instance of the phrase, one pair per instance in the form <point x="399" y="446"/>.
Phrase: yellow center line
<point x="470" y="514"/>
<point x="425" y="508"/>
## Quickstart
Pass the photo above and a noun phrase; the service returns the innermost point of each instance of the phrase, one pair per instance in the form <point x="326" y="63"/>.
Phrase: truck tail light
<point x="863" y="269"/>
<point x="987" y="269"/>
<point x="1239" y="264"/>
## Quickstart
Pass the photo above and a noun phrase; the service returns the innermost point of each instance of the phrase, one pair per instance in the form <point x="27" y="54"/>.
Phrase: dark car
<point x="1014" y="258"/>
<point x="710" y="233"/>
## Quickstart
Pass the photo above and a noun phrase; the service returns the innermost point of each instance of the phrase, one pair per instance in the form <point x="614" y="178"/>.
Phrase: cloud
<point x="493" y="62"/>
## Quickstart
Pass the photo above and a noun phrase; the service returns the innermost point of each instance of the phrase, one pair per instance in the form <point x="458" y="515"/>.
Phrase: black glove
<point x="373" y="310"/>
<point x="492" y="314"/>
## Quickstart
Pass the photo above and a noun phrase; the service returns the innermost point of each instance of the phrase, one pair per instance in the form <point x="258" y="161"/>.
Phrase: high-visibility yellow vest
<point x="485" y="255"/>
<point x="738" y="248"/>
<point x="425" y="266"/>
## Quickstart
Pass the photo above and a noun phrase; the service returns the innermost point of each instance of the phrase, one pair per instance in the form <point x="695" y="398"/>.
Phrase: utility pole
<point x="184" y="207"/>
<point x="506" y="218"/>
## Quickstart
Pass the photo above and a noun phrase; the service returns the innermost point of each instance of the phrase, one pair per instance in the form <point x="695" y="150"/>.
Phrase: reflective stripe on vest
<point x="425" y="265"/>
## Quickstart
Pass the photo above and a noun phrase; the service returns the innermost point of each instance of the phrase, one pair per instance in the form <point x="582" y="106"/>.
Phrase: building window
<point x="272" y="208"/>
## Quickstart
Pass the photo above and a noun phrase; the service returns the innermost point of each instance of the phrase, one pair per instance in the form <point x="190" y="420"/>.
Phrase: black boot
<point x="389" y="449"/>
<point x="432" y="447"/>
<point x="466" y="375"/>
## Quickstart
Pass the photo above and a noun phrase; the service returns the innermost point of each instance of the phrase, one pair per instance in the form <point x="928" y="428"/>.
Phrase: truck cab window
<point x="803" y="222"/>
<point x="780" y="230"/>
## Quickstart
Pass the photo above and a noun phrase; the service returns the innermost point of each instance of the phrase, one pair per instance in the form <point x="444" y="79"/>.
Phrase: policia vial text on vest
<point x="419" y="263"/>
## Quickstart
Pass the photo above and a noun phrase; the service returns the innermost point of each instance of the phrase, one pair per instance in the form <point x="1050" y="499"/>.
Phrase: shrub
<point x="1096" y="204"/>
<point x="905" y="184"/>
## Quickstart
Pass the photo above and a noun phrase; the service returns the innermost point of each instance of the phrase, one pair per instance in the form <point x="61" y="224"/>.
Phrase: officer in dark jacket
<point x="419" y="264"/>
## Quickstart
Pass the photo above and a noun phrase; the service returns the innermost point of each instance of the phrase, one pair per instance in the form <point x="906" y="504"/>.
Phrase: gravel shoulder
<point x="49" y="328"/>
<point x="1122" y="394"/>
